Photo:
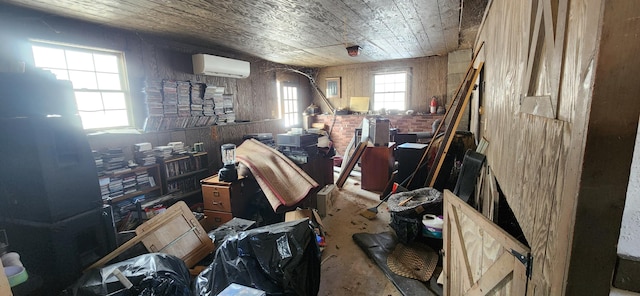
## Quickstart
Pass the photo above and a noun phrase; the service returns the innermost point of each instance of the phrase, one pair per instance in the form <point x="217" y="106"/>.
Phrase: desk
<point x="377" y="164"/>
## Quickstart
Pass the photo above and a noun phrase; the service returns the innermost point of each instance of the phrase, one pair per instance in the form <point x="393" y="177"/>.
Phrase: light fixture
<point x="353" y="51"/>
<point x="228" y="172"/>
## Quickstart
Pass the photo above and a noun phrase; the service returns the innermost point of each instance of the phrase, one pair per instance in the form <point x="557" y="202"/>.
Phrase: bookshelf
<point x="135" y="182"/>
<point x="181" y="174"/>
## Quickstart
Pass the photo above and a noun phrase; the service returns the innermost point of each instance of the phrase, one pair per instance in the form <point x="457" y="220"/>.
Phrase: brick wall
<point x="344" y="128"/>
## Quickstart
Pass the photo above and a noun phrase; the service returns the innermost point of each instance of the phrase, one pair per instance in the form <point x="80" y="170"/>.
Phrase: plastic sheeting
<point x="152" y="274"/>
<point x="280" y="259"/>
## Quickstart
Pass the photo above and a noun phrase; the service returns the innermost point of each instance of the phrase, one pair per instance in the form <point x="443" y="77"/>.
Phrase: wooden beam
<point x="451" y="128"/>
<point x="496" y="273"/>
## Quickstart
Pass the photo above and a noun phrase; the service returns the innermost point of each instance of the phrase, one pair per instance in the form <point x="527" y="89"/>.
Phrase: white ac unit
<point x="205" y="64"/>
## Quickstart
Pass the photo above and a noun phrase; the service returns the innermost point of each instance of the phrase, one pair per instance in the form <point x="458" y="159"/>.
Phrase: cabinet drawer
<point x="213" y="219"/>
<point x="216" y="198"/>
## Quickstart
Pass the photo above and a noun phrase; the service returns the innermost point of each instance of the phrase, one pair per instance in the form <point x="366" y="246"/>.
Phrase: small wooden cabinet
<point x="222" y="201"/>
<point x="376" y="164"/>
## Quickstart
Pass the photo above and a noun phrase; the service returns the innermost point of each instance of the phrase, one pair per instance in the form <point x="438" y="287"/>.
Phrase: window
<point x="289" y="101"/>
<point x="390" y="91"/>
<point x="98" y="80"/>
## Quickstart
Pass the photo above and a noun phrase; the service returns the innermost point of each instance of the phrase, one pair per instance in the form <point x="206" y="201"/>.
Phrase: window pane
<point x="95" y="74"/>
<point x="77" y="60"/>
<point x="106" y="63"/>
<point x="114" y="100"/>
<point x="49" y="57"/>
<point x="108" y="81"/>
<point x="399" y="86"/>
<point x="89" y="101"/>
<point x="117" y="118"/>
<point x="83" y="80"/>
<point x="60" y="74"/>
<point x="92" y="120"/>
<point x="390" y="91"/>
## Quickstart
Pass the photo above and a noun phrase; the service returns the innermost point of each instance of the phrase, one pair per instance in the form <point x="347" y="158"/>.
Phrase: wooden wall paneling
<point x="423" y="70"/>
<point x="164" y="138"/>
<point x="419" y="79"/>
<point x="534" y="136"/>
<point x="179" y="136"/>
<point x="480" y="188"/>
<point x="204" y="135"/>
<point x="542" y="204"/>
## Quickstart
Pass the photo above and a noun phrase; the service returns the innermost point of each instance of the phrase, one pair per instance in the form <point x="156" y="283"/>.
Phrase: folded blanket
<point x="281" y="180"/>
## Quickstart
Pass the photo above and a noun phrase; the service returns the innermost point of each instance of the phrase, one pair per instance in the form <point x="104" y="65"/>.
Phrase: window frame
<point x="122" y="72"/>
<point x="407" y="81"/>
<point x="283" y="111"/>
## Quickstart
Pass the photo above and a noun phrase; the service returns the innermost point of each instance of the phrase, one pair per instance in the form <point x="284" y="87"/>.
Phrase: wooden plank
<point x="344" y="174"/>
<point x="534" y="136"/>
<point x="480" y="187"/>
<point x="149" y="234"/>
<point x="463" y="256"/>
<point x="491" y="251"/>
<point x="181" y="236"/>
<point x="519" y="281"/>
<point x="495" y="197"/>
<point x="489" y="265"/>
<point x="451" y="128"/>
<point x="557" y="54"/>
<point x="5" y="290"/>
<point x="448" y="111"/>
<point x="135" y="240"/>
<point x="548" y="169"/>
<point x="447" y="260"/>
<point x="494" y="275"/>
<point x="499" y="234"/>
<point x="473" y="244"/>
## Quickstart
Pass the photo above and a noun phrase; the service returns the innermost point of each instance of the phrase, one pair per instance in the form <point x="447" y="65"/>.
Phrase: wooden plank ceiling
<point x="312" y="33"/>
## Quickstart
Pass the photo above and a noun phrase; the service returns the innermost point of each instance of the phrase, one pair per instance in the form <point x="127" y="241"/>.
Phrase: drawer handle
<point x="216" y="203"/>
<point x="216" y="193"/>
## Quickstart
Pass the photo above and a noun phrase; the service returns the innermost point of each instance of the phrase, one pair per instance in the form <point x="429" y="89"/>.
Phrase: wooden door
<point x="479" y="257"/>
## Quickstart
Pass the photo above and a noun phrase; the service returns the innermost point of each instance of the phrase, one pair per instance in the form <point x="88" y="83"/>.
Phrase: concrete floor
<point x="346" y="269"/>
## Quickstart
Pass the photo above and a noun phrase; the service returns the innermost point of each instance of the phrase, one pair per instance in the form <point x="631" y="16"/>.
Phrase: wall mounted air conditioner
<point x="205" y="64"/>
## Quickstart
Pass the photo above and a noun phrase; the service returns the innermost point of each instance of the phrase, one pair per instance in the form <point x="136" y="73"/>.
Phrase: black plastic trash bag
<point x="280" y="259"/>
<point x="152" y="274"/>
